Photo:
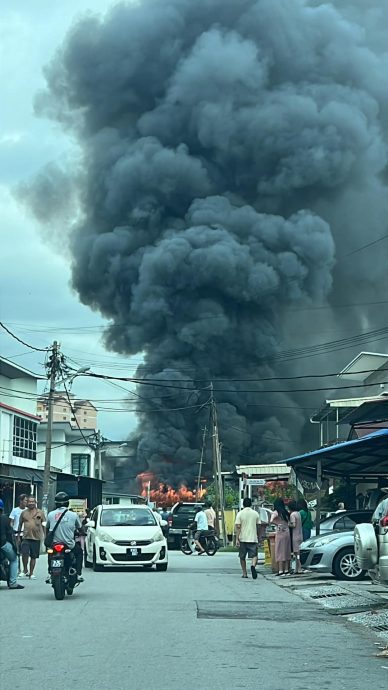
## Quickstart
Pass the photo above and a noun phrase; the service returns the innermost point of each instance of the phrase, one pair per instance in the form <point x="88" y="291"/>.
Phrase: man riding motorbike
<point x="65" y="531"/>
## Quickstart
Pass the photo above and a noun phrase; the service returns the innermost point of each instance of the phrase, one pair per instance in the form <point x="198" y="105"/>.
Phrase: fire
<point x="163" y="494"/>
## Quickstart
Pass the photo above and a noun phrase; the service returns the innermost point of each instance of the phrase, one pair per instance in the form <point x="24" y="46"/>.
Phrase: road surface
<point x="197" y="625"/>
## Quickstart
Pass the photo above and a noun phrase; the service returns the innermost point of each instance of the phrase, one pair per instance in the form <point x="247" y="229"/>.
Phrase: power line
<point x="364" y="246"/>
<point x="19" y="340"/>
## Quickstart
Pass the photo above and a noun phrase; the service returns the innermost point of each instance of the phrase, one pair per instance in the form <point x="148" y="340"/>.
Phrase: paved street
<point x="180" y="629"/>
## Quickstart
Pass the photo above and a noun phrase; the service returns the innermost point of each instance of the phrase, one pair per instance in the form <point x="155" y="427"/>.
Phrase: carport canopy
<point x="362" y="458"/>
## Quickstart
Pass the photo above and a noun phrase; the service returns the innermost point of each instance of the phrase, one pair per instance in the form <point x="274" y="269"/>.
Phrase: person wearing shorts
<point x="247" y="528"/>
<point x="31" y="524"/>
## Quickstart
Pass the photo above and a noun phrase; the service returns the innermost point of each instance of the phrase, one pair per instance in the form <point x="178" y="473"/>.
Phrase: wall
<point x="62" y="449"/>
<point x="19" y="387"/>
<point x="13" y="397"/>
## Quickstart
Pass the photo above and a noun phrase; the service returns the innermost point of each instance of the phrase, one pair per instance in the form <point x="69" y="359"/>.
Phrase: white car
<point x="125" y="535"/>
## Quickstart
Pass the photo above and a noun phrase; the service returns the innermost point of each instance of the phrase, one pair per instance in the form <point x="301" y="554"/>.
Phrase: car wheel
<point x="87" y="563"/>
<point x="345" y="566"/>
<point x="96" y="566"/>
<point x="162" y="567"/>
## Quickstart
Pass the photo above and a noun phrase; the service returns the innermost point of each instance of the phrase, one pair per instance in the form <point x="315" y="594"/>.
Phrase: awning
<point x="365" y="457"/>
<point x="372" y="411"/>
<point x="23" y="474"/>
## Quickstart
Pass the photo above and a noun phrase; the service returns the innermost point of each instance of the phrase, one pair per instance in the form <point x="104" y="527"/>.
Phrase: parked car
<point x="371" y="546"/>
<point x="332" y="553"/>
<point x="345" y="521"/>
<point x="125" y="535"/>
<point x="182" y="514"/>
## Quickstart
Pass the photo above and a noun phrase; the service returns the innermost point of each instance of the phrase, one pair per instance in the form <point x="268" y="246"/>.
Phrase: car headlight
<point x="325" y="540"/>
<point x="104" y="536"/>
<point x="158" y="537"/>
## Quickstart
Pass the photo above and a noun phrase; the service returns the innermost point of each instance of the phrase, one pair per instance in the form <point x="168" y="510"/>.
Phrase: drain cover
<point x="339" y="601"/>
<point x="329" y="595"/>
<point x="377" y="622"/>
<point x="258" y="610"/>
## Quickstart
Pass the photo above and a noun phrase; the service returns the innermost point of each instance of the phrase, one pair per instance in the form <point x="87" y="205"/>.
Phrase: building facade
<point x="81" y="411"/>
<point x="70" y="451"/>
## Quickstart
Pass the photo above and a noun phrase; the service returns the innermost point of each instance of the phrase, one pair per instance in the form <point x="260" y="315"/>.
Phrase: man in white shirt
<point x="210" y="514"/>
<point x="14" y="518"/>
<point x="201" y="526"/>
<point x="247" y="527"/>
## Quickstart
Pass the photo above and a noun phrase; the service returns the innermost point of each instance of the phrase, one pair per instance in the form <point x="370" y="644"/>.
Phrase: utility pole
<point x="201" y="461"/>
<point x="97" y="443"/>
<point x="219" y="493"/>
<point x="52" y="368"/>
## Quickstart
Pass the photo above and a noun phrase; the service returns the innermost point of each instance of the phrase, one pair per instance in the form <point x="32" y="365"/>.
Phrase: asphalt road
<point x="197" y="625"/>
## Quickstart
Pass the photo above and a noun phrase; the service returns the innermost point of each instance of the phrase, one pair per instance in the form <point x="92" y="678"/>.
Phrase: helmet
<point x="1" y="504"/>
<point x="61" y="499"/>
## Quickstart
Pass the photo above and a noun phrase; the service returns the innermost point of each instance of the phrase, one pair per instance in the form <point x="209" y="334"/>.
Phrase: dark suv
<point x="181" y="516"/>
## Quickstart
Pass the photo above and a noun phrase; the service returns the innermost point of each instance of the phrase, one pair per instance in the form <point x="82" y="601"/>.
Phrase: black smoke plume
<point x="228" y="147"/>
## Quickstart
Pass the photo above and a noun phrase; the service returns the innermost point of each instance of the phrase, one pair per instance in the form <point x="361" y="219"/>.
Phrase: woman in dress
<point x="305" y="515"/>
<point x="296" y="534"/>
<point x="280" y="518"/>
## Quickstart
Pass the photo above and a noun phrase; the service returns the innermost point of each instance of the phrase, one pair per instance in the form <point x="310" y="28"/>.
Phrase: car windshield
<point x="127" y="517"/>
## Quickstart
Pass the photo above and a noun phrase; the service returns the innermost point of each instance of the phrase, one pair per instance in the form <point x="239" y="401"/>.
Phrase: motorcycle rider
<point x="66" y="530"/>
<point x="8" y="548"/>
<point x="201" y="524"/>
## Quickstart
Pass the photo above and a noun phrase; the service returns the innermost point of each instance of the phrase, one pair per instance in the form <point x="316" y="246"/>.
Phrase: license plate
<point x="133" y="552"/>
<point x="56" y="564"/>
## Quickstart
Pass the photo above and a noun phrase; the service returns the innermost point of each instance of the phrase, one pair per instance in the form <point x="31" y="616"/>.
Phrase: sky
<point x="36" y="300"/>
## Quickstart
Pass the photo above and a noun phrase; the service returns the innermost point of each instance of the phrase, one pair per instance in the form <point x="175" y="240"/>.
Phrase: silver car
<point x="332" y="553"/>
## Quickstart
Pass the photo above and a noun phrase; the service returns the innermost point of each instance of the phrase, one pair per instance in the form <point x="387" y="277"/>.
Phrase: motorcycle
<point x="62" y="573"/>
<point x="4" y="567"/>
<point x="208" y="540"/>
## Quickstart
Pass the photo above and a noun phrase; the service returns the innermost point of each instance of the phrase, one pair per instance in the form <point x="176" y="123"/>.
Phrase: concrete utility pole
<point x="219" y="491"/>
<point x="52" y="368"/>
<point x="201" y="461"/>
<point x="97" y="443"/>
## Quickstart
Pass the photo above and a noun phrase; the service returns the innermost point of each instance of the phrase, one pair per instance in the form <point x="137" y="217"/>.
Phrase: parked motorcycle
<point x="208" y="540"/>
<point x="4" y="567"/>
<point x="62" y="573"/>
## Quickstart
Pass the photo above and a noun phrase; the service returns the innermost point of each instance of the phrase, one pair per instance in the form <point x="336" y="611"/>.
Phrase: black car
<point x="181" y="516"/>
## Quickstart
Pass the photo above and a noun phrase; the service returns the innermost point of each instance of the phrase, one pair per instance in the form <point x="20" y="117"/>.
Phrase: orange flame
<point x="163" y="494"/>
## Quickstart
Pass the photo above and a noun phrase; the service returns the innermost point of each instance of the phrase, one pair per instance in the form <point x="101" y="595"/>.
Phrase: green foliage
<point x="230" y="495"/>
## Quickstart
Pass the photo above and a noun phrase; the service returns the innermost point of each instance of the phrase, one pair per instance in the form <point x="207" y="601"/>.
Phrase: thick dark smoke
<point x="228" y="147"/>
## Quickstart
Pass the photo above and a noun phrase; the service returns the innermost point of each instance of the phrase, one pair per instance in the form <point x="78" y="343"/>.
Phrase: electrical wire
<point x="19" y="340"/>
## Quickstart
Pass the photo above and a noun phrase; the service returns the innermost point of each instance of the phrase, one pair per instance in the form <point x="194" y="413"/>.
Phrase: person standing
<point x="305" y="516"/>
<point x="211" y="515"/>
<point x="31" y="532"/>
<point x="296" y="534"/>
<point x="280" y="518"/>
<point x="8" y="548"/>
<point x="14" y="518"/>
<point x="247" y="526"/>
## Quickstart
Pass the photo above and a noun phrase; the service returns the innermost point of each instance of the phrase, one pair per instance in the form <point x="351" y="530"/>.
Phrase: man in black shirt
<point x="8" y="548"/>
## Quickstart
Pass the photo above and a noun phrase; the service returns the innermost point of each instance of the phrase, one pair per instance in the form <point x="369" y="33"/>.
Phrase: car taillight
<point x="384" y="521"/>
<point x="58" y="547"/>
<point x="169" y="521"/>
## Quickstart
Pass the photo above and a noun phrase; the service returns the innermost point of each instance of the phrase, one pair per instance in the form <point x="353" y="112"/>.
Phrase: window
<point x="24" y="438"/>
<point x="80" y="464"/>
<point x="345" y="523"/>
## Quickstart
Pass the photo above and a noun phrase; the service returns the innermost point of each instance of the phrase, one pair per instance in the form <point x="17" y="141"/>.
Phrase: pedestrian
<point x="201" y="525"/>
<point x="14" y="518"/>
<point x="305" y="516"/>
<point x="247" y="526"/>
<point x="8" y="548"/>
<point x="280" y="518"/>
<point x="296" y="534"/>
<point x="340" y="507"/>
<point x="382" y="507"/>
<point x="211" y="515"/>
<point x="31" y="532"/>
